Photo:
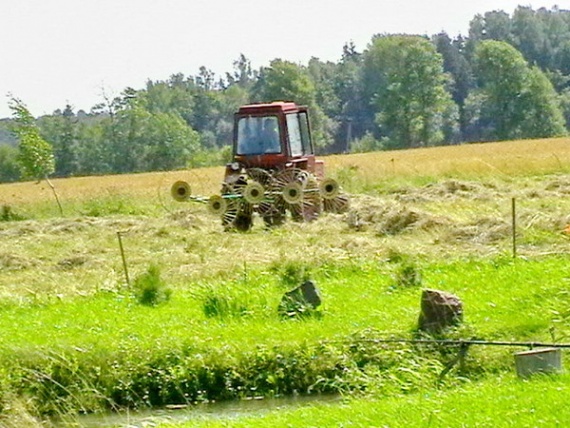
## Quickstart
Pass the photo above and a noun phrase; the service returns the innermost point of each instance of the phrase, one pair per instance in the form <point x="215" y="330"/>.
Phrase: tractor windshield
<point x="258" y="135"/>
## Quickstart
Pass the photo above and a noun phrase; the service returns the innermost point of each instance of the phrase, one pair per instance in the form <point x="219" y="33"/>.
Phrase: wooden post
<point x="124" y="259"/>
<point x="514" y="227"/>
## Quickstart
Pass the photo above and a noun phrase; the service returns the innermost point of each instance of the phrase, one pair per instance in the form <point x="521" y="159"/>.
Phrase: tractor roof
<point x="268" y="108"/>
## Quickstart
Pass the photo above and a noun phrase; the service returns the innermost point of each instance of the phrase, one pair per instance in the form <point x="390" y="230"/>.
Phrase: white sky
<point x="54" y="52"/>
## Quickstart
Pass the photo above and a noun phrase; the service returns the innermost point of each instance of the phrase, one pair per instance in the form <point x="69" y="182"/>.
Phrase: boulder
<point x="439" y="310"/>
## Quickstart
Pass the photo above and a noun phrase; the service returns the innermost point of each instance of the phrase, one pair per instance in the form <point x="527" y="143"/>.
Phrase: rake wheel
<point x="238" y="214"/>
<point x="297" y="191"/>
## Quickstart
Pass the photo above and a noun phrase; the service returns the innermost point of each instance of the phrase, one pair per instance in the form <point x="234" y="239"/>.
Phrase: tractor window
<point x="305" y="133"/>
<point x="295" y="141"/>
<point x="257" y="135"/>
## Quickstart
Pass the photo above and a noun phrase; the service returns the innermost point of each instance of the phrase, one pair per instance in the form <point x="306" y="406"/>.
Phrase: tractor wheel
<point x="271" y="215"/>
<point x="260" y="175"/>
<point x="311" y="205"/>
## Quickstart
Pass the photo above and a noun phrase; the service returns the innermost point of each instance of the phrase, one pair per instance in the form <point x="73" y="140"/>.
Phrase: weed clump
<point x="292" y="272"/>
<point x="408" y="275"/>
<point x="150" y="289"/>
<point x="7" y="214"/>
<point x="223" y="307"/>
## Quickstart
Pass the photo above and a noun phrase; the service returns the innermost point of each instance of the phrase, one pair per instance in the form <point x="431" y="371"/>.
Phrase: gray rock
<point x="301" y="300"/>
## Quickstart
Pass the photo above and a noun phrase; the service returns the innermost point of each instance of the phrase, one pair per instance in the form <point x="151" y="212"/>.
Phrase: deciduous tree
<point x="35" y="155"/>
<point x="405" y="83"/>
<point x="515" y="101"/>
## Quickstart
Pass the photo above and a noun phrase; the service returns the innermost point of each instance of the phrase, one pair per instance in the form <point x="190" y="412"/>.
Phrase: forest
<point x="508" y="78"/>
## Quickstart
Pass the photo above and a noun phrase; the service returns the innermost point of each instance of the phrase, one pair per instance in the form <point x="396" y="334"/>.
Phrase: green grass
<point x="501" y="297"/>
<point x="75" y="338"/>
<point x="496" y="402"/>
<point x="108" y="350"/>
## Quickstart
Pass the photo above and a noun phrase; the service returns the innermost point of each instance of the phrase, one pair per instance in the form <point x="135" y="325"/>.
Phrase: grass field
<point x="76" y="339"/>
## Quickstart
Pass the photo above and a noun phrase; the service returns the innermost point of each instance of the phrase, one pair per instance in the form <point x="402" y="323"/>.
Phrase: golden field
<point x="510" y="158"/>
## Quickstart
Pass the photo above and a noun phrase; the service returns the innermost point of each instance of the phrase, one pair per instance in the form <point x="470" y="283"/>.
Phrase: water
<point x="177" y="414"/>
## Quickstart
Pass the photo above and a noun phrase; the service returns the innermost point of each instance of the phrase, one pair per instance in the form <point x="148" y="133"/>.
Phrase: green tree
<point x="287" y="81"/>
<point x="543" y="112"/>
<point x="61" y="129"/>
<point x="515" y="101"/>
<point x="243" y="75"/>
<point x="35" y="155"/>
<point x="406" y="85"/>
<point x="356" y="118"/>
<point x="494" y="25"/>
<point x="92" y="153"/>
<point x="8" y="164"/>
<point x="529" y="37"/>
<point x="176" y="95"/>
<point x="167" y="141"/>
<point x="456" y="64"/>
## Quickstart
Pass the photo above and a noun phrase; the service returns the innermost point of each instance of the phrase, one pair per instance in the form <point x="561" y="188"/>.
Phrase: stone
<point x="439" y="310"/>
<point x="303" y="299"/>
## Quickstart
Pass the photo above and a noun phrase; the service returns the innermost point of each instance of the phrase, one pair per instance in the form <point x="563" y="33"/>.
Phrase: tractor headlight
<point x="234" y="166"/>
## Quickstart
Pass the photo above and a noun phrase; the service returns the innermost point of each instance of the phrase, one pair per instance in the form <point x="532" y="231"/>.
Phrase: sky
<point x="58" y="52"/>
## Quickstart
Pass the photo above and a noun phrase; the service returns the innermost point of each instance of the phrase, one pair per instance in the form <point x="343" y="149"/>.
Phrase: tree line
<point x="509" y="78"/>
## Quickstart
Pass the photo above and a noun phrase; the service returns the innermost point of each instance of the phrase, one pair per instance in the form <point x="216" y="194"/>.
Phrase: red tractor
<point x="274" y="171"/>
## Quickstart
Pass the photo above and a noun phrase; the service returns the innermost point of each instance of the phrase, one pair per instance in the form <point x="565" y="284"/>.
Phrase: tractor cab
<point x="273" y="136"/>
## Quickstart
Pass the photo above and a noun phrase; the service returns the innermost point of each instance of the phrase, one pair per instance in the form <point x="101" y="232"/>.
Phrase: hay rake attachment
<point x="270" y="194"/>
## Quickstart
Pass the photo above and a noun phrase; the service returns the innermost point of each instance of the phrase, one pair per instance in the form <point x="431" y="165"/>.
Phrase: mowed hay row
<point x="477" y="160"/>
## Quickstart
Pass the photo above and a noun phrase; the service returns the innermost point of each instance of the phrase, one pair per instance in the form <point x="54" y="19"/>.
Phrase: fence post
<point x="514" y="226"/>
<point x="124" y="259"/>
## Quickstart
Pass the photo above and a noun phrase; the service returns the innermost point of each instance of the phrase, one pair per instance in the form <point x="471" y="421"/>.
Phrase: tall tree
<point x="529" y="37"/>
<point x="287" y="81"/>
<point x="242" y="75"/>
<point x="543" y="112"/>
<point x="514" y="100"/>
<point x="61" y="129"/>
<point x="405" y="83"/>
<point x="355" y="115"/>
